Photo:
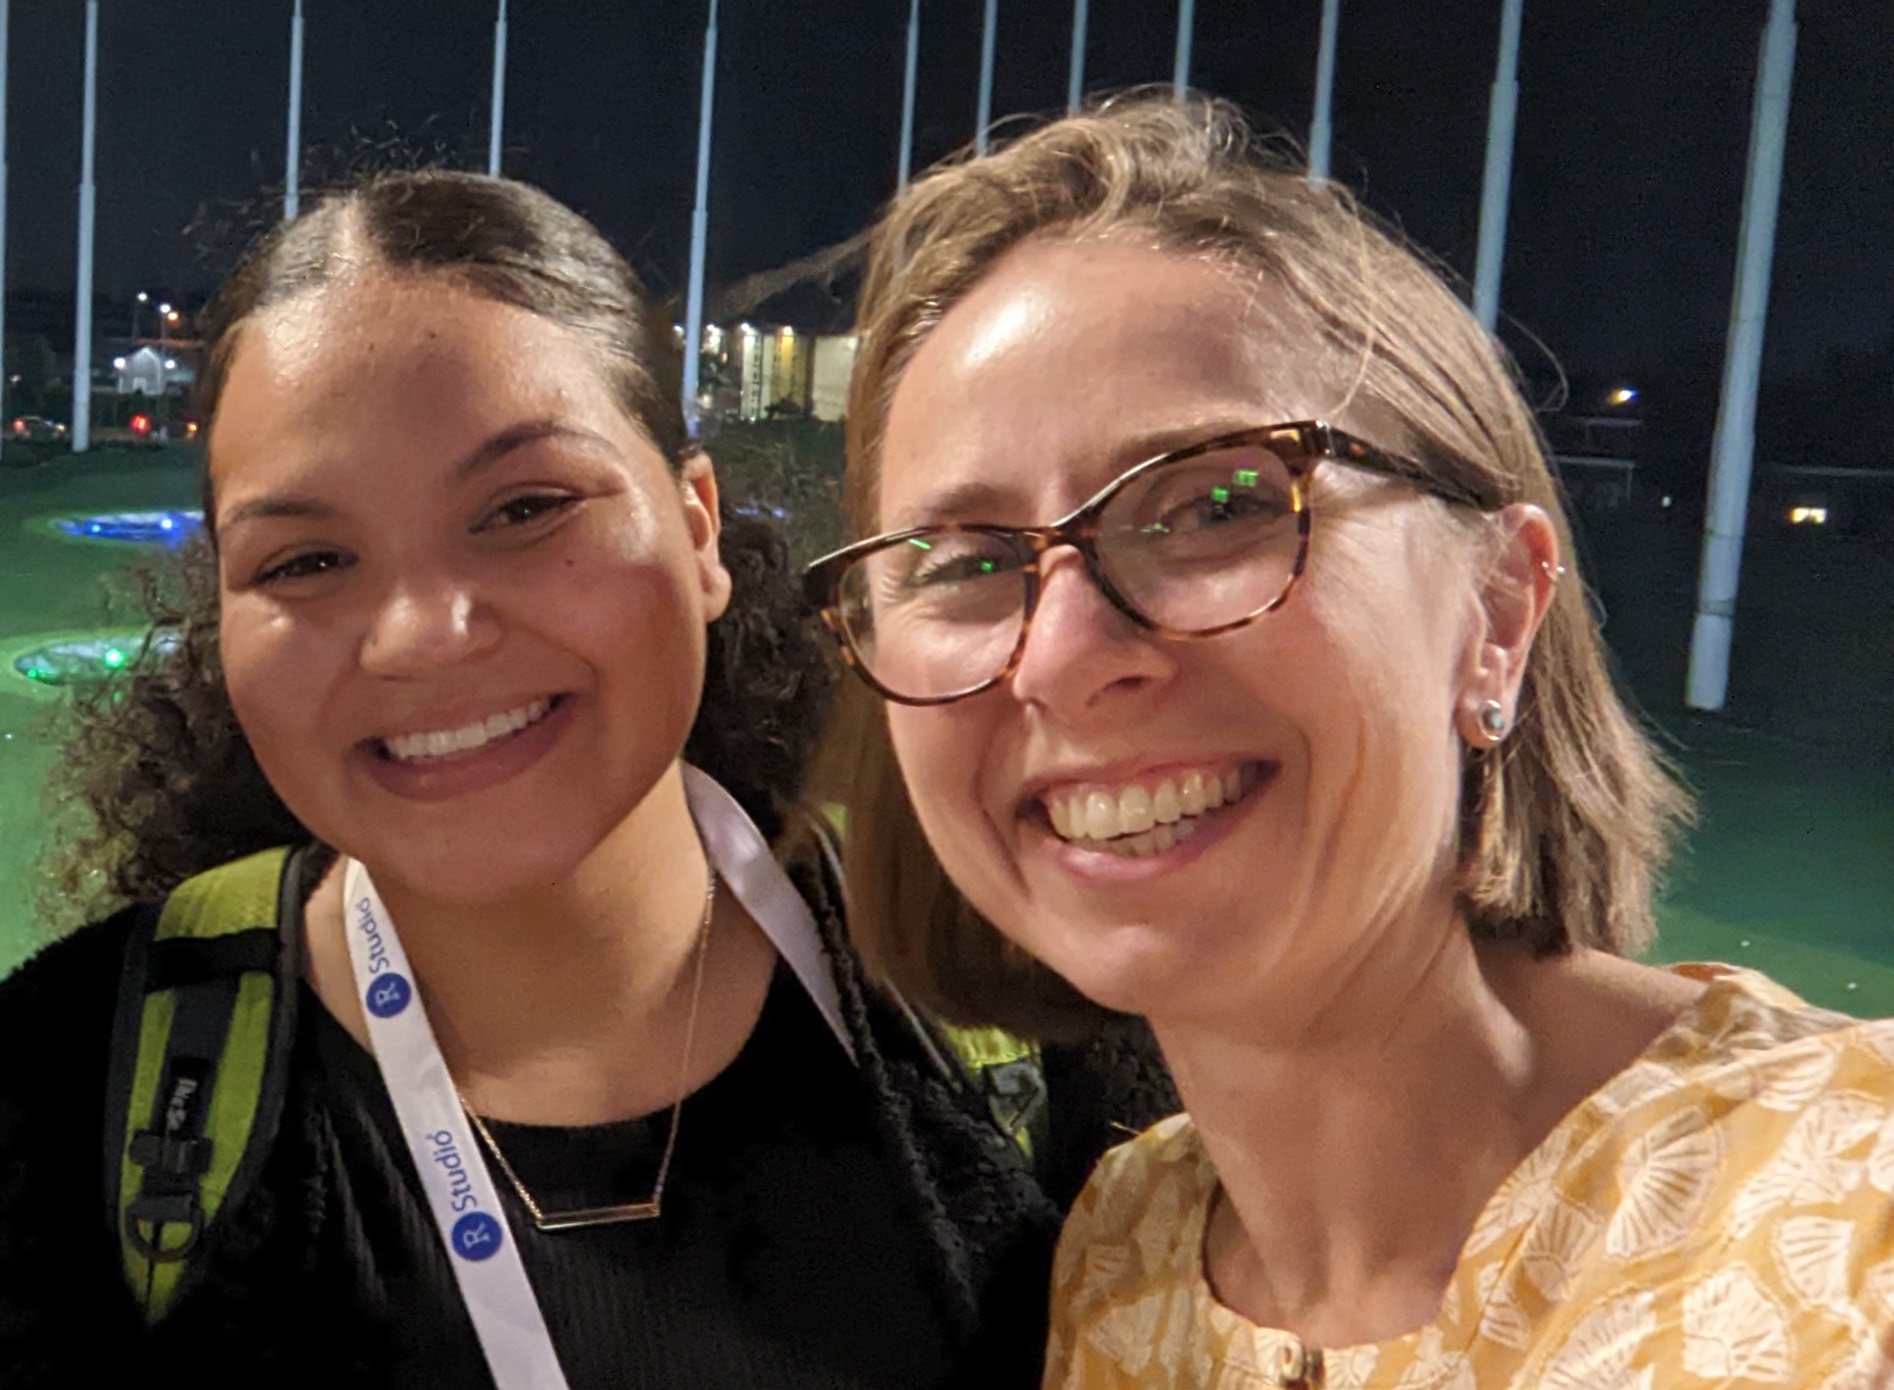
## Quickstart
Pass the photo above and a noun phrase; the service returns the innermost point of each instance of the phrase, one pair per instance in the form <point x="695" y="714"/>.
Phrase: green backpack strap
<point x="199" y="1058"/>
<point x="1009" y="1073"/>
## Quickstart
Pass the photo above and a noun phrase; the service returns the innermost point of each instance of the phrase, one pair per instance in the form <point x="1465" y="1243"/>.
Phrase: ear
<point x="1517" y="587"/>
<point x="697" y="482"/>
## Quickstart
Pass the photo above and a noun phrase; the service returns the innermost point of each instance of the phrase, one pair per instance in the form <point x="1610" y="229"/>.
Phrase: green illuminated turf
<point x="53" y="587"/>
<point x="1791" y="869"/>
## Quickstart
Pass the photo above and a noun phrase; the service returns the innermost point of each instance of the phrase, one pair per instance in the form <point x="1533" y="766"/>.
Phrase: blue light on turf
<point x="169" y="528"/>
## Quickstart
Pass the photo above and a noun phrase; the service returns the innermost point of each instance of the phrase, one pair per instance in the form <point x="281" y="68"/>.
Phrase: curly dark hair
<point x="156" y="762"/>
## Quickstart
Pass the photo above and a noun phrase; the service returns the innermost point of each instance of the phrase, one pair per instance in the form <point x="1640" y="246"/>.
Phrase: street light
<point x="166" y="317"/>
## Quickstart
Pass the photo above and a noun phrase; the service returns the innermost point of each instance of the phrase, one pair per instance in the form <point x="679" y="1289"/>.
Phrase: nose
<point x="424" y="623"/>
<point x="1082" y="654"/>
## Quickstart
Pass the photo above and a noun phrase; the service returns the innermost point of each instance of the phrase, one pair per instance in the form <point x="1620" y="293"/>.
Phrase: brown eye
<point x="303" y="566"/>
<point x="526" y="509"/>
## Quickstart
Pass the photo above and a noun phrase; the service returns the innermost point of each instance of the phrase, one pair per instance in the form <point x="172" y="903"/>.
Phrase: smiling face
<point x="462" y="596"/>
<point x="1182" y="828"/>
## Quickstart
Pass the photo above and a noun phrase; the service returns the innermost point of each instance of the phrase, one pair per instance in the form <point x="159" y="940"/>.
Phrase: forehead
<point x="377" y="361"/>
<point x="1073" y="359"/>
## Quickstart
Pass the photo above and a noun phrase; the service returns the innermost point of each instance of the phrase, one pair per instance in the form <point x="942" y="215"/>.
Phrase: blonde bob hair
<point x="1564" y="826"/>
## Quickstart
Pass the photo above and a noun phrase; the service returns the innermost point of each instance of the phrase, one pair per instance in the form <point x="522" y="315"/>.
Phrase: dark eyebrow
<point x="517" y="436"/>
<point x="483" y="456"/>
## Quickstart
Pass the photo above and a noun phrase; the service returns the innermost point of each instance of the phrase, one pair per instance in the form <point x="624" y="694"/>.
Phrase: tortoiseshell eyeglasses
<point x="1192" y="543"/>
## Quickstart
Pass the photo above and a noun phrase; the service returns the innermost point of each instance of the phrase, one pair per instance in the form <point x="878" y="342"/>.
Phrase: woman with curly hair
<point x="582" y="1087"/>
<point x="1216" y="596"/>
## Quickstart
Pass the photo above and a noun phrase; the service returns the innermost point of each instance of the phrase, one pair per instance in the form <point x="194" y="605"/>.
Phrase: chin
<point x="1133" y="969"/>
<point x="472" y="870"/>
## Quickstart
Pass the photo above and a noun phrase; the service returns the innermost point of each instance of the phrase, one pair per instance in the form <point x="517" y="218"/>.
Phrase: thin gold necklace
<point x="652" y="1206"/>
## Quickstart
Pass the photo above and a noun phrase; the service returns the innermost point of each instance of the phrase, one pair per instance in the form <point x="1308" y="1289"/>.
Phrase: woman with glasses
<point x="1216" y="598"/>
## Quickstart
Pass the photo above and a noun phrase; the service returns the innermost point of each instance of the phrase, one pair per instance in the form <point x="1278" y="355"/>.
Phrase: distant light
<point x="119" y="363"/>
<point x="1808" y="516"/>
<point x="1624" y="395"/>
<point x="746" y="330"/>
<point x="170" y="315"/>
<point x="1666" y="500"/>
<point x="143" y="298"/>
<point x="788" y="332"/>
<point x="170" y="364"/>
<point x="165" y="309"/>
<point x="140" y="424"/>
<point x="114" y="657"/>
<point x="168" y="528"/>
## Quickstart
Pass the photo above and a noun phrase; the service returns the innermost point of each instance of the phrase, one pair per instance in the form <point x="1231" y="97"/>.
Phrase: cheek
<point x="938" y="752"/>
<point x="263" y="658"/>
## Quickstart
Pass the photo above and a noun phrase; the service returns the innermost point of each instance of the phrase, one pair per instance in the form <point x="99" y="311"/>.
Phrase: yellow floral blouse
<point x="1718" y="1214"/>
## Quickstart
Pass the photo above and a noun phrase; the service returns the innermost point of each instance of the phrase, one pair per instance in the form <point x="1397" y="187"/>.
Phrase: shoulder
<point x="55" y="1033"/>
<point x="1728" y="1200"/>
<point x="1127" y="1274"/>
<point x="68" y="986"/>
<point x="1747" y="1044"/>
<point x="1752" y="1145"/>
<point x="1139" y="1220"/>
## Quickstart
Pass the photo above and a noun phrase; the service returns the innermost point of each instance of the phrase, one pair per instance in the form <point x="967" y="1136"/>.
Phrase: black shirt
<point x="786" y="1254"/>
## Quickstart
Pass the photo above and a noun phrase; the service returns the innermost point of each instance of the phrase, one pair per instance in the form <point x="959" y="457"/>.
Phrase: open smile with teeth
<point x="445" y="743"/>
<point x="1145" y="817"/>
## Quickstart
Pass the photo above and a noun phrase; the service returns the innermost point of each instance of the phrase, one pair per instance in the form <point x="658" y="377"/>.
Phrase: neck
<point x="1356" y="1148"/>
<point x="568" y="1003"/>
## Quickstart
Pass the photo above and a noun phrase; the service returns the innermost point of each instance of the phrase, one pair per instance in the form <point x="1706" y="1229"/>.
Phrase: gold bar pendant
<point x="597" y="1216"/>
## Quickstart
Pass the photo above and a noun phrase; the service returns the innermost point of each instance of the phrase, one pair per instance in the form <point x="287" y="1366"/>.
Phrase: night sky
<point x="1627" y="182"/>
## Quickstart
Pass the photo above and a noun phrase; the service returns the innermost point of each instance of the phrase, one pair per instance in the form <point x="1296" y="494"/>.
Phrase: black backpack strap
<point x="202" y="1035"/>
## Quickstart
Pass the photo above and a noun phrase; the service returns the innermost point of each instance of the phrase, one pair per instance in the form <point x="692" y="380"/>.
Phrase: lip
<point x="1105" y="868"/>
<point x="461" y="774"/>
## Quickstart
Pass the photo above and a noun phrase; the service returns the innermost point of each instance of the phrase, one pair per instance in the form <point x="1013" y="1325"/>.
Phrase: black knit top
<point x="826" y="1223"/>
<point x="786" y="1254"/>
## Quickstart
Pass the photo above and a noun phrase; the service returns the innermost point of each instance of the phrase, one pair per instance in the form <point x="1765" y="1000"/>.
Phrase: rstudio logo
<point x="388" y="992"/>
<point x="388" y="995"/>
<point x="476" y="1236"/>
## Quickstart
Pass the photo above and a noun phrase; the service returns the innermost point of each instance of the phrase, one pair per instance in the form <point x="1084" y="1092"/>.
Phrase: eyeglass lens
<point x="1191" y="545"/>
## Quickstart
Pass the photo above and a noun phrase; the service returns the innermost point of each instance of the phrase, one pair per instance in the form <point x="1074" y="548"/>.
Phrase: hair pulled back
<point x="157" y="762"/>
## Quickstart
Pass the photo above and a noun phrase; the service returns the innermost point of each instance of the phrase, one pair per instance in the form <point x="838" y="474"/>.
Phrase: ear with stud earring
<point x="1491" y="718"/>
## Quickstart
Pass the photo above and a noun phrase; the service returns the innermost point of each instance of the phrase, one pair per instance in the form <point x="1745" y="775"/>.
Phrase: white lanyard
<point x="481" y="1249"/>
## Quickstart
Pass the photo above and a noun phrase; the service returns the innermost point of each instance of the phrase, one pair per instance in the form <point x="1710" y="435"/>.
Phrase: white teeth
<point x="438" y="743"/>
<point x="1190" y="794"/>
<point x="1141" y="820"/>
<point x="1134" y="811"/>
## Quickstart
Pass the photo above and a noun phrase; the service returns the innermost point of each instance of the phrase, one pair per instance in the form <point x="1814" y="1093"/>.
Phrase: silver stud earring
<point x="1493" y="721"/>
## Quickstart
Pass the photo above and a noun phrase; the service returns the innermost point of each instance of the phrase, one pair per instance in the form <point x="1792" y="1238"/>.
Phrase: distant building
<point x="149" y="370"/>
<point x="780" y="343"/>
